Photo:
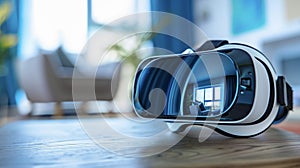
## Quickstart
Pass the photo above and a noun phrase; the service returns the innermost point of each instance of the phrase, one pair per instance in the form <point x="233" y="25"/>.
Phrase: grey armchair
<point x="47" y="78"/>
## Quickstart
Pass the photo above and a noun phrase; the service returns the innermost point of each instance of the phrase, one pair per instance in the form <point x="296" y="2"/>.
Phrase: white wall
<point x="214" y="17"/>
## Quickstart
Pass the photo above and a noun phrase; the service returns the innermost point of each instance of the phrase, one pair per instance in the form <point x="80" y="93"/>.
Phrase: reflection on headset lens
<point x="193" y="85"/>
<point x="211" y="87"/>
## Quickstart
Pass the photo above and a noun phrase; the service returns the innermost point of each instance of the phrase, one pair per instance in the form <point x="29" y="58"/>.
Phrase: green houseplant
<point x="132" y="55"/>
<point x="6" y="40"/>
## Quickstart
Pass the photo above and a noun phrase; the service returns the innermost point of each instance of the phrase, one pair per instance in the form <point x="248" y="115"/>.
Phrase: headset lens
<point x="186" y="86"/>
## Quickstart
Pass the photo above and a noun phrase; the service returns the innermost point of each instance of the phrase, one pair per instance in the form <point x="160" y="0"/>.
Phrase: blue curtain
<point x="10" y="26"/>
<point x="183" y="8"/>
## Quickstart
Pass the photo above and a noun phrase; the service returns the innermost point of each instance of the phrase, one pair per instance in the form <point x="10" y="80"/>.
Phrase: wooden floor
<point x="64" y="143"/>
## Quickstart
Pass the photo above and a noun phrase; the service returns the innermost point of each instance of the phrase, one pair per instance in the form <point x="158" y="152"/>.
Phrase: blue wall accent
<point x="247" y="15"/>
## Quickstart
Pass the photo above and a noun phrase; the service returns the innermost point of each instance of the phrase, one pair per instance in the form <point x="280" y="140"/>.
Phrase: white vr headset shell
<point x="271" y="102"/>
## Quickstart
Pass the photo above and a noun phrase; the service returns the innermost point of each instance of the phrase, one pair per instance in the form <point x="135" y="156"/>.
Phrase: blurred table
<point x="63" y="143"/>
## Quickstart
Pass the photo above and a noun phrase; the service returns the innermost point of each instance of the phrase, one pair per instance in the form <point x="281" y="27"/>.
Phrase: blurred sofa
<point x="52" y="77"/>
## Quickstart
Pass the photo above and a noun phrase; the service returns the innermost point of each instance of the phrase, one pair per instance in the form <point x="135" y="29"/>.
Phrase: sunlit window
<point x="209" y="96"/>
<point x="48" y="24"/>
<point x="56" y="22"/>
<point x="104" y="12"/>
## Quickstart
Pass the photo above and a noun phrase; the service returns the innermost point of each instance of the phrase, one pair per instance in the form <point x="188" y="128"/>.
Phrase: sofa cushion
<point x="65" y="61"/>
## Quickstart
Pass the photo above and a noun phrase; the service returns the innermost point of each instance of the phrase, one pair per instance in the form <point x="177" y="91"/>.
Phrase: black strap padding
<point x="290" y="104"/>
<point x="284" y="93"/>
<point x="211" y="44"/>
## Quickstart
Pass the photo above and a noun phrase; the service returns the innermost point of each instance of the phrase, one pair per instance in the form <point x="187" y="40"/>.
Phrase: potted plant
<point x="131" y="56"/>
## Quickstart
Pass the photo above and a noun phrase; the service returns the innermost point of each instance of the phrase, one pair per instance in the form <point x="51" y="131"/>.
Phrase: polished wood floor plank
<point x="59" y="143"/>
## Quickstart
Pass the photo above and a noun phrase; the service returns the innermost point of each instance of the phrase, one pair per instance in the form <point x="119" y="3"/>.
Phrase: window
<point x="48" y="24"/>
<point x="102" y="12"/>
<point x="209" y="96"/>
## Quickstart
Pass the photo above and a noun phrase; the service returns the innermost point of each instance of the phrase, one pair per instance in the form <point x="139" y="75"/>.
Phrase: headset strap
<point x="284" y="93"/>
<point x="284" y="90"/>
<point x="211" y="44"/>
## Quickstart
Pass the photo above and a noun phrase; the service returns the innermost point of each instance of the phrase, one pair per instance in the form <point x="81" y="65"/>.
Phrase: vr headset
<point x="229" y="87"/>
